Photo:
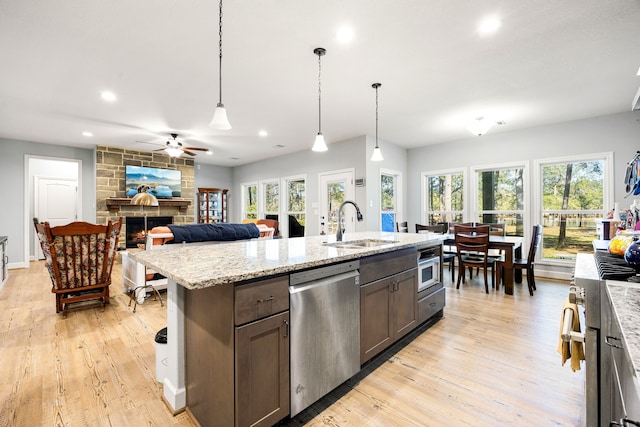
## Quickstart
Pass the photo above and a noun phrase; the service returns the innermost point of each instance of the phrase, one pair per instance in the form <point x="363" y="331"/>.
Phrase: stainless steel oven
<point x="428" y="268"/>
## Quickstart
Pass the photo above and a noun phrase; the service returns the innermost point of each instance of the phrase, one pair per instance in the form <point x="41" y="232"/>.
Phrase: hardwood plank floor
<point x="490" y="361"/>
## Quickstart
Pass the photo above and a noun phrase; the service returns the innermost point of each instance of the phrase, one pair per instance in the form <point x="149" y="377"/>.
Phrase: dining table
<point x="511" y="246"/>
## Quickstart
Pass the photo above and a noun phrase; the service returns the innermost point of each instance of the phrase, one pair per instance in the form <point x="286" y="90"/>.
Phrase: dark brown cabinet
<point x="262" y="371"/>
<point x="212" y="205"/>
<point x="388" y="310"/>
<point x="237" y="353"/>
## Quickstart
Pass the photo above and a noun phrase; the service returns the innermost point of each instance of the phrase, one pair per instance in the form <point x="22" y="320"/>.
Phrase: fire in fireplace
<point x="135" y="228"/>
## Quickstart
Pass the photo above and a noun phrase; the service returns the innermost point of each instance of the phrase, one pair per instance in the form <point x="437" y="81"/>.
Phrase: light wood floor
<point x="490" y="361"/>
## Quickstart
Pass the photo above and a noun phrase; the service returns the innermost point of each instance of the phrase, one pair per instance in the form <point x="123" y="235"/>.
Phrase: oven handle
<point x="568" y="334"/>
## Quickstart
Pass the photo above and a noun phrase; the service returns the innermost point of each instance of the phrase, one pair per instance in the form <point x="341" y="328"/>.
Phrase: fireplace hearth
<point x="135" y="228"/>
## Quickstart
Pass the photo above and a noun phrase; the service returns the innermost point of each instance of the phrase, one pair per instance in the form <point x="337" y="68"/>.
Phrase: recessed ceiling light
<point x="489" y="25"/>
<point x="263" y="133"/>
<point x="87" y="134"/>
<point x="345" y="34"/>
<point x="108" y="95"/>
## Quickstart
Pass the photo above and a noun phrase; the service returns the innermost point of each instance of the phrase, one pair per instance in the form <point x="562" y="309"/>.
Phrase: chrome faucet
<point x="358" y="215"/>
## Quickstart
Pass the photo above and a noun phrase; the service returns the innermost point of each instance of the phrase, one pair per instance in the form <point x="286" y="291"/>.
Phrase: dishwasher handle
<point x="294" y="289"/>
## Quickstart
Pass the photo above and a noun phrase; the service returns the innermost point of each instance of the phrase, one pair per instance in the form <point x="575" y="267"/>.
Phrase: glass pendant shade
<point x="319" y="144"/>
<point x="377" y="155"/>
<point x="479" y="126"/>
<point x="173" y="152"/>
<point x="220" y="120"/>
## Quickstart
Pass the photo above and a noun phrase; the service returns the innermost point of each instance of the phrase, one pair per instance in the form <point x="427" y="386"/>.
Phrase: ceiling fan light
<point x="377" y="155"/>
<point x="319" y="144"/>
<point x="173" y="151"/>
<point x="220" y="120"/>
<point x="480" y="126"/>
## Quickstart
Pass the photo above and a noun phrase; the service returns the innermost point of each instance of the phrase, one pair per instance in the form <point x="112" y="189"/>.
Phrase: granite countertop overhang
<point x="205" y="265"/>
<point x="625" y="298"/>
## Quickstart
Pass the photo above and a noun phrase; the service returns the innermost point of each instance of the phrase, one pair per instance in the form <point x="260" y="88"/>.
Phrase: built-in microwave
<point x="428" y="269"/>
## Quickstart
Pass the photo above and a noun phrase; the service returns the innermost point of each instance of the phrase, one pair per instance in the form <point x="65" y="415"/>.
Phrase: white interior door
<point x="335" y="188"/>
<point x="55" y="201"/>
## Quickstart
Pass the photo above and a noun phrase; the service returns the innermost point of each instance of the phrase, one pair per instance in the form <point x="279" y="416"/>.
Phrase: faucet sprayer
<point x="358" y="216"/>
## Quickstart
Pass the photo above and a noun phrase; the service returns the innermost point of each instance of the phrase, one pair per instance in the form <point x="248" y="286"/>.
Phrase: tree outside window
<point x="573" y="197"/>
<point x="388" y="202"/>
<point x="251" y="201"/>
<point x="501" y="198"/>
<point x="444" y="198"/>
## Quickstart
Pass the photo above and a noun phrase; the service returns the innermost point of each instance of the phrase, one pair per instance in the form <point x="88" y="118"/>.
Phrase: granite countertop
<point x="625" y="298"/>
<point x="204" y="265"/>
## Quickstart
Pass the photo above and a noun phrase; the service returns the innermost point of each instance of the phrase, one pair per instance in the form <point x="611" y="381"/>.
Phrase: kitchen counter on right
<point x="625" y="298"/>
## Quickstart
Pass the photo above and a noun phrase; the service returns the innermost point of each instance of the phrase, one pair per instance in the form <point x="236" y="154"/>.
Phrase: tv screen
<point x="163" y="183"/>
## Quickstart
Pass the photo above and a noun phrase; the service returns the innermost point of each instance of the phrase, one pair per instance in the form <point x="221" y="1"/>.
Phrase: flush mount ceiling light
<point x="319" y="144"/>
<point x="377" y="154"/>
<point x="108" y="96"/>
<point x="489" y="25"/>
<point x="220" y="120"/>
<point x="480" y="126"/>
<point x="345" y="35"/>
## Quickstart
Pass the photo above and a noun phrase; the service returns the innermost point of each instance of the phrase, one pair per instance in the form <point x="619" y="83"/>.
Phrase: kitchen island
<point x="207" y="275"/>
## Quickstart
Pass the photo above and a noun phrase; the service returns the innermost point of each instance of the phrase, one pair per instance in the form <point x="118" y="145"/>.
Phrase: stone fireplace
<point x="111" y="202"/>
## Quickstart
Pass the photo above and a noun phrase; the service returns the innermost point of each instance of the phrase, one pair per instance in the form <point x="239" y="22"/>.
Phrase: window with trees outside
<point x="443" y="197"/>
<point x="250" y="201"/>
<point x="296" y="206"/>
<point x="500" y="197"/>
<point x="390" y="182"/>
<point x="271" y="198"/>
<point x="573" y="195"/>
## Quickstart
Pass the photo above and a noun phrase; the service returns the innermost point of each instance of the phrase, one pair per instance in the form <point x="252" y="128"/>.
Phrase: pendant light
<point x="220" y="120"/>
<point x="377" y="154"/>
<point x="319" y="144"/>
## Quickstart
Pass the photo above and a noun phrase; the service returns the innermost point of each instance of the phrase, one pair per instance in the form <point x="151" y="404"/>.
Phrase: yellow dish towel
<point x="573" y="350"/>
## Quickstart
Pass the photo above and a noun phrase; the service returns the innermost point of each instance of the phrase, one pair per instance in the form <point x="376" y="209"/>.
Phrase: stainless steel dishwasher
<point x="325" y="331"/>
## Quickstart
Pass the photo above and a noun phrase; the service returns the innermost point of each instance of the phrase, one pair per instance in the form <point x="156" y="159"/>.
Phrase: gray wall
<point x="341" y="155"/>
<point x="619" y="133"/>
<point x="12" y="194"/>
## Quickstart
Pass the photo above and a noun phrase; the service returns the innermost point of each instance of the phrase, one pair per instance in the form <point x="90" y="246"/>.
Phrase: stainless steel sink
<point x="359" y="244"/>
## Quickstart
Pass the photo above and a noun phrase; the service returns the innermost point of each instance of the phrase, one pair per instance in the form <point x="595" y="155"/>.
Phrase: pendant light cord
<point x="220" y="55"/>
<point x="319" y="95"/>
<point x="376" y="116"/>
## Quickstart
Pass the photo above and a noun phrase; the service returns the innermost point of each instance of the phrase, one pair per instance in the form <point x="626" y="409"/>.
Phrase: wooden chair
<point x="79" y="257"/>
<point x="472" y="244"/>
<point x="447" y="257"/>
<point x="525" y="264"/>
<point x="402" y="227"/>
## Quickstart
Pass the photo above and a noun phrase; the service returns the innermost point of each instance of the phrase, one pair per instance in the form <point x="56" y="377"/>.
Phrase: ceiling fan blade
<point x="188" y="152"/>
<point x="159" y="149"/>
<point x="196" y="149"/>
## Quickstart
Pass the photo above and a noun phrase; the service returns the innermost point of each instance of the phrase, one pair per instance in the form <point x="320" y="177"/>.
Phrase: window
<point x="270" y="199"/>
<point x="296" y="206"/>
<point x="573" y="193"/>
<point x="390" y="189"/>
<point x="443" y="197"/>
<point x="500" y="197"/>
<point x="250" y="201"/>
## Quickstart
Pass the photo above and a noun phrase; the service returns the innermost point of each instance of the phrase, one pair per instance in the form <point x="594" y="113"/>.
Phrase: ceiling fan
<point x="174" y="148"/>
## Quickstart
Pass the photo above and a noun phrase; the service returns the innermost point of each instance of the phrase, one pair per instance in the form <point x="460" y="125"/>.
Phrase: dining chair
<point x="472" y="245"/>
<point x="79" y="257"/>
<point x="447" y="256"/>
<point x="525" y="263"/>
<point x="402" y="227"/>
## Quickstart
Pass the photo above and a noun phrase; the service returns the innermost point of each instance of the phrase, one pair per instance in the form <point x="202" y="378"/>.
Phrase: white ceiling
<point x="551" y="61"/>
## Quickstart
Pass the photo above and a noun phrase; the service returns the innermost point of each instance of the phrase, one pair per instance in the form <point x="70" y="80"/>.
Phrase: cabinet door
<point x="405" y="303"/>
<point x="376" y="332"/>
<point x="262" y="371"/>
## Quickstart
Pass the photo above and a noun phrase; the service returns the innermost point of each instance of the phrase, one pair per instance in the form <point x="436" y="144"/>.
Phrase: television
<point x="163" y="183"/>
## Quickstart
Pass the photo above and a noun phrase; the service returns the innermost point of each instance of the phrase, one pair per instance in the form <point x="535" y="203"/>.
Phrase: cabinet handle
<point x="610" y="344"/>
<point x="286" y="329"/>
<point x="265" y="299"/>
